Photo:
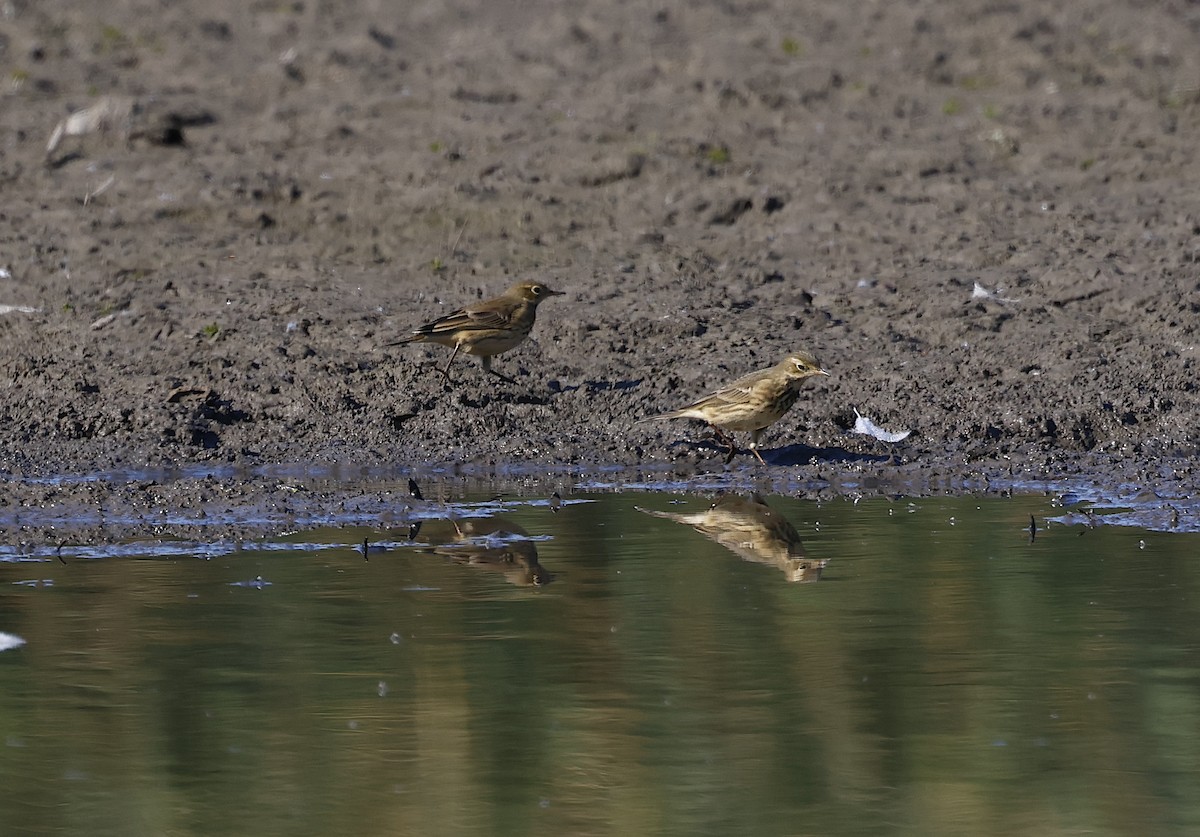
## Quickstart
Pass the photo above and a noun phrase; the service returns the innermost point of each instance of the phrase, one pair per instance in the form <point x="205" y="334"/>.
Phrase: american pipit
<point x="496" y="544"/>
<point x="749" y="528"/>
<point x="752" y="403"/>
<point x="486" y="328"/>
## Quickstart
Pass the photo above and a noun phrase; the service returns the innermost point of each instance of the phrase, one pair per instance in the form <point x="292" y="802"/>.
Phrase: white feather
<point x="8" y="641"/>
<point x="864" y="425"/>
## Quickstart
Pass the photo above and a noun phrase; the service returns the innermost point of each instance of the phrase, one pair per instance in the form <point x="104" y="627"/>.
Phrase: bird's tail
<point x="674" y="414"/>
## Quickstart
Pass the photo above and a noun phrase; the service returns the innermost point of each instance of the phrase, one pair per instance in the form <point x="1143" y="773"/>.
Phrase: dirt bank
<point x="981" y="218"/>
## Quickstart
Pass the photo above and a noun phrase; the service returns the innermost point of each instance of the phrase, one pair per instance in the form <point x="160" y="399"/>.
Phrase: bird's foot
<point x="725" y="440"/>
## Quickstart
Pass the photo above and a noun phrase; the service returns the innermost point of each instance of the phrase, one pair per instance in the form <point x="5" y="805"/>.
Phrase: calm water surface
<point x="632" y="665"/>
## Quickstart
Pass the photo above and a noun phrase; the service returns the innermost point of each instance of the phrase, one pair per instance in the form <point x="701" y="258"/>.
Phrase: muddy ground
<point x="981" y="217"/>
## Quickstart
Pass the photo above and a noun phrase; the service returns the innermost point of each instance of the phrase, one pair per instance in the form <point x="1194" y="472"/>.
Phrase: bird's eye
<point x="538" y="290"/>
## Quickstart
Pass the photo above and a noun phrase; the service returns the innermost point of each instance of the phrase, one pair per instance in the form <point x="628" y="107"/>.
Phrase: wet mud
<point x="980" y="219"/>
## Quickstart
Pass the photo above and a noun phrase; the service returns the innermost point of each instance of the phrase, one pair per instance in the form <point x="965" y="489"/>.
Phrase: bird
<point x="496" y="544"/>
<point x="748" y="527"/>
<point x="752" y="403"/>
<point x="486" y="328"/>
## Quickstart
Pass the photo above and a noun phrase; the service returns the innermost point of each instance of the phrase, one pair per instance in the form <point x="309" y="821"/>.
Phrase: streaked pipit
<point x="753" y="402"/>
<point x="486" y="328"/>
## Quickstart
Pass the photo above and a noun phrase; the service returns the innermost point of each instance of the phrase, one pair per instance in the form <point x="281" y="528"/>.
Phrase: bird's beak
<point x="556" y="293"/>
<point x="823" y="372"/>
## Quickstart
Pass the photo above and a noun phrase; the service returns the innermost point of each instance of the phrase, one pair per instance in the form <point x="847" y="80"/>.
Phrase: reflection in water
<point x="752" y="530"/>
<point x="953" y="668"/>
<point x="496" y="543"/>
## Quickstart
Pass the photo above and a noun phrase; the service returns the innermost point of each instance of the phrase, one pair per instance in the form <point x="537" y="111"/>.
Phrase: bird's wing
<point x="736" y="392"/>
<point x="471" y="318"/>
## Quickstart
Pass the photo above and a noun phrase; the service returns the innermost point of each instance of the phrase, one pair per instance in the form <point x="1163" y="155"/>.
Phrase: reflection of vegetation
<point x="944" y="667"/>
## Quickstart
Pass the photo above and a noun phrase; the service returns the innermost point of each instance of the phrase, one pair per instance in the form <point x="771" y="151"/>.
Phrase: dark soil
<point x="980" y="217"/>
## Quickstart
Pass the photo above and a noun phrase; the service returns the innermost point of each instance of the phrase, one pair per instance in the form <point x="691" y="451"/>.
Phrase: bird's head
<point x="800" y="365"/>
<point x="534" y="292"/>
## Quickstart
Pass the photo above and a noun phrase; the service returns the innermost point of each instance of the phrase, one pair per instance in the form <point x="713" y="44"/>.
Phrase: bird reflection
<point x="753" y="531"/>
<point x="495" y="543"/>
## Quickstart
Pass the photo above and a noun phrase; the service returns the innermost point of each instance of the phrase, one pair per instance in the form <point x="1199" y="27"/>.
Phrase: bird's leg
<point x="754" y="446"/>
<point x="487" y="367"/>
<point x="453" y="355"/>
<point x="724" y="439"/>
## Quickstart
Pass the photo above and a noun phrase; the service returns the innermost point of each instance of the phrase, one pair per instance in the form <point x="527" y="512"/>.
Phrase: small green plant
<point x="1180" y="96"/>
<point x="718" y="155"/>
<point x="436" y="264"/>
<point x="1087" y="163"/>
<point x="951" y="107"/>
<point x="991" y="112"/>
<point x="111" y="38"/>
<point x="211" y="331"/>
<point x="791" y="47"/>
<point x="68" y="308"/>
<point x="436" y="147"/>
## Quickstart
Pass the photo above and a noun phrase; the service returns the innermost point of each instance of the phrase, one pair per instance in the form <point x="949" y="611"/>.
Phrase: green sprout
<point x="110" y="38"/>
<point x="718" y="155"/>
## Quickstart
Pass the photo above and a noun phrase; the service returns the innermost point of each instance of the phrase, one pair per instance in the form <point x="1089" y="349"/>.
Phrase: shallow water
<point x="871" y="667"/>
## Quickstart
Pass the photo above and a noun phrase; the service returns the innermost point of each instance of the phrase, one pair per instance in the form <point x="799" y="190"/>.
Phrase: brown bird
<point x="496" y="544"/>
<point x="752" y="403"/>
<point x="486" y="328"/>
<point x="748" y="527"/>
